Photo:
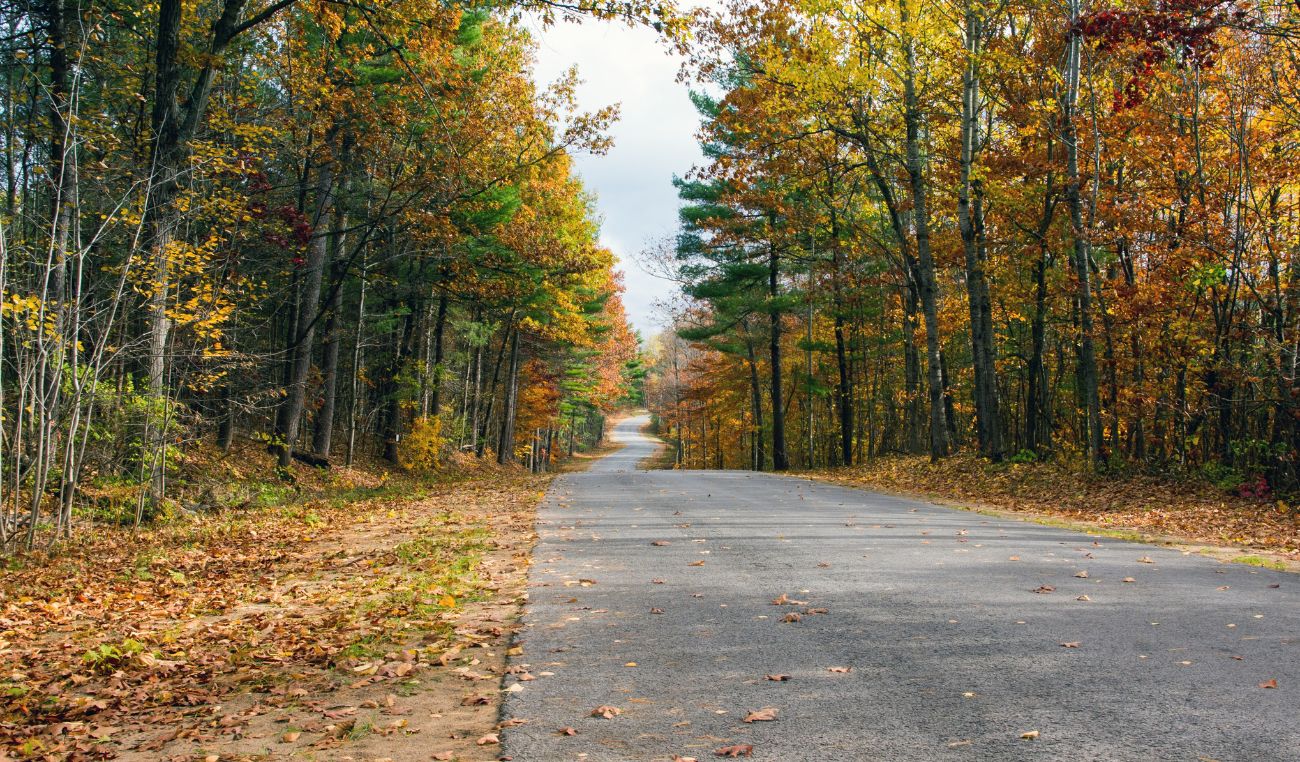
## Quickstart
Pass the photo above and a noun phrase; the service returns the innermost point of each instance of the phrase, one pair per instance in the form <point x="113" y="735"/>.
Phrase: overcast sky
<point x="654" y="139"/>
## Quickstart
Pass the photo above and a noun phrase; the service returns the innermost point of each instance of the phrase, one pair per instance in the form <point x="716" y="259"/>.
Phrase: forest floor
<point x="1188" y="513"/>
<point x="364" y="617"/>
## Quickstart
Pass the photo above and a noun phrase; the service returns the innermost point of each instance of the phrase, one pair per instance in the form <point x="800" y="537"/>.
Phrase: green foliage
<point x="109" y="657"/>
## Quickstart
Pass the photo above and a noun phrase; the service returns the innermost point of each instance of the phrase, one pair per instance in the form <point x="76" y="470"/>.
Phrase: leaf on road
<point x="567" y="731"/>
<point x="766" y="714"/>
<point x="840" y="670"/>
<point x="1083" y="598"/>
<point x="660" y="543"/>
<point x="1268" y="684"/>
<point x="777" y="678"/>
<point x="656" y="611"/>
<point x="791" y="617"/>
<point x="656" y="581"/>
<point x="443" y="756"/>
<point x="1128" y="580"/>
<point x="290" y="737"/>
<point x="1029" y="735"/>
<point x="1071" y="644"/>
<point x="1082" y="574"/>
<point x="1045" y="589"/>
<point x="735" y="750"/>
<point x="475" y="701"/>
<point x="1145" y="560"/>
<point x="680" y="758"/>
<point x="606" y="711"/>
<point x="696" y="563"/>
<point x="817" y="611"/>
<point x="785" y="600"/>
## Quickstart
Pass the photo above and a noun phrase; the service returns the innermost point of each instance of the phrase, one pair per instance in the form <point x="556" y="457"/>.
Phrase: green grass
<point x="1263" y="563"/>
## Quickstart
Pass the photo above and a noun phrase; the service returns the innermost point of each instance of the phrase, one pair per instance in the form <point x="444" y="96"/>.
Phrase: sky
<point x="653" y="140"/>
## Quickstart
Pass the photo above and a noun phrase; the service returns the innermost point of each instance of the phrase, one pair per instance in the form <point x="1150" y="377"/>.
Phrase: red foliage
<point x="1181" y="30"/>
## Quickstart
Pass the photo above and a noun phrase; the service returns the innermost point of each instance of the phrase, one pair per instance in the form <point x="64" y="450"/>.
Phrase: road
<point x="951" y="624"/>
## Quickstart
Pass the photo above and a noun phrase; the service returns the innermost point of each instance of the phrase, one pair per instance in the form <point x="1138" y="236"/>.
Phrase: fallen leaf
<point x="791" y="617"/>
<point x="1014" y="558"/>
<point x="777" y="678"/>
<point x="1083" y="598"/>
<point x="443" y="756"/>
<point x="1082" y="574"/>
<point x="656" y="611"/>
<point x="680" y="758"/>
<point x="1128" y="580"/>
<point x="736" y="750"/>
<point x="660" y="543"/>
<point x="840" y="670"/>
<point x="566" y="731"/>
<point x="956" y="744"/>
<point x="1029" y="735"/>
<point x="606" y="711"/>
<point x="290" y="737"/>
<point x="488" y="740"/>
<point x="1145" y="560"/>
<point x="1268" y="684"/>
<point x="1071" y="644"/>
<point x="696" y="563"/>
<point x="766" y="714"/>
<point x="475" y="701"/>
<point x="785" y="600"/>
<point x="1045" y="589"/>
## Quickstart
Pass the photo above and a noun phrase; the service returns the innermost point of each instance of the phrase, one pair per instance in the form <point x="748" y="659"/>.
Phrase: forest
<point x="1031" y="231"/>
<point x="328" y="229"/>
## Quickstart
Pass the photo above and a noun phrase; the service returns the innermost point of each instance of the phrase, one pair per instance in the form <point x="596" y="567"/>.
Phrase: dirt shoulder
<point x="1193" y="516"/>
<point x="370" y="626"/>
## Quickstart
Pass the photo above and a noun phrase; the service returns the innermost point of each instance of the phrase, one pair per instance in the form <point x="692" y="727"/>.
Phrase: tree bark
<point x="1086" y="368"/>
<point x="780" y="458"/>
<point x="988" y="420"/>
<point x="506" y="442"/>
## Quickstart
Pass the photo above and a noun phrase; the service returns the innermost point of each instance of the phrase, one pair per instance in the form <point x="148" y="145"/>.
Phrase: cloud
<point x="653" y="141"/>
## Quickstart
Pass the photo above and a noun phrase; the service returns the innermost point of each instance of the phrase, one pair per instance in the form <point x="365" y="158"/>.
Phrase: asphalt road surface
<point x="951" y="625"/>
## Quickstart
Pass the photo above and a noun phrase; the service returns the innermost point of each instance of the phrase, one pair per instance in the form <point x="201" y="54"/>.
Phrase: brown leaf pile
<point x="216" y="629"/>
<point x="1186" y="508"/>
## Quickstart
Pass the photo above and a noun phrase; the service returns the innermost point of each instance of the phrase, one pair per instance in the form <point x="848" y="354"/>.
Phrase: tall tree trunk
<point x="913" y="422"/>
<point x="970" y="216"/>
<point x="756" y="407"/>
<point x="354" y="411"/>
<point x="492" y="385"/>
<point x="333" y="339"/>
<point x="288" y="418"/>
<point x="780" y="458"/>
<point x="844" y="391"/>
<point x="925" y="274"/>
<point x="439" y="328"/>
<point x="510" y="409"/>
<point x="1086" y="369"/>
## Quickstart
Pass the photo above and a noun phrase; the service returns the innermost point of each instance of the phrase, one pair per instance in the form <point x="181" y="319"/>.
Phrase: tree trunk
<point x="289" y="415"/>
<point x="506" y="442"/>
<point x="1086" y="369"/>
<point x="925" y="275"/>
<point x="780" y="458"/>
<point x="756" y="407"/>
<point x="988" y="422"/>
<point x="439" y="327"/>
